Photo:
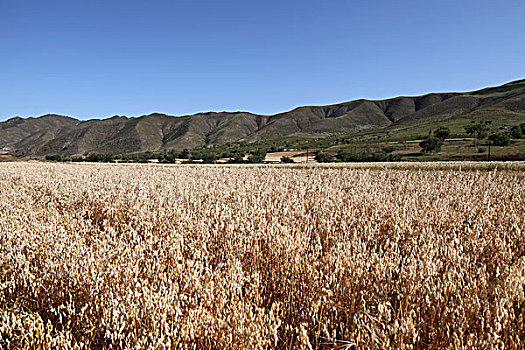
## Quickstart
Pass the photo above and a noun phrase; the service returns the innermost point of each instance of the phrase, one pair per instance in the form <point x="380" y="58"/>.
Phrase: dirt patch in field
<point x="297" y="156"/>
<point x="6" y="158"/>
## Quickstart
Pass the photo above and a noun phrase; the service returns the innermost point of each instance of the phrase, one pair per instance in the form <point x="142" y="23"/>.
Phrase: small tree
<point x="477" y="130"/>
<point x="431" y="144"/>
<point x="238" y="158"/>
<point x="500" y="139"/>
<point x="285" y="159"/>
<point x="323" y="158"/>
<point x="442" y="133"/>
<point x="185" y="154"/>
<point x="54" y="158"/>
<point x="257" y="157"/>
<point x="516" y="132"/>
<point x="171" y="156"/>
<point x="209" y="157"/>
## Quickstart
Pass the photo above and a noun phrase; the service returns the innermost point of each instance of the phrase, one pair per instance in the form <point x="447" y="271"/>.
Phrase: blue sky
<point x="95" y="59"/>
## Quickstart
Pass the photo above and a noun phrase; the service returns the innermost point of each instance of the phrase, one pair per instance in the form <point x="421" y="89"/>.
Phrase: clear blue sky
<point x="95" y="59"/>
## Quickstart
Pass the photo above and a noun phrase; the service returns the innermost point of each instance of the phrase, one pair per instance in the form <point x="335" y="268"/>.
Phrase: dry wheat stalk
<point x="138" y="257"/>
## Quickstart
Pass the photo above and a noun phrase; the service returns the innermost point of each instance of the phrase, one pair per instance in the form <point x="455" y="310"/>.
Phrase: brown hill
<point x="55" y="134"/>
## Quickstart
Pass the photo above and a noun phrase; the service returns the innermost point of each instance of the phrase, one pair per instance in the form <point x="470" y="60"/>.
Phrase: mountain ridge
<point x="65" y="135"/>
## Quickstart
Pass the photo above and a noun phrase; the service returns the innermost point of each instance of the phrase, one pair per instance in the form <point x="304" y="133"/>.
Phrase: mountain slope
<point x="54" y="134"/>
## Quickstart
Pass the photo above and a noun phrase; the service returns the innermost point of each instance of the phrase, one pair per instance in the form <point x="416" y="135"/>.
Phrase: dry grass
<point x="139" y="257"/>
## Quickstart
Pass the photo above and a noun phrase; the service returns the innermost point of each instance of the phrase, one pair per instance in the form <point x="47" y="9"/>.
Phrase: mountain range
<point x="57" y="134"/>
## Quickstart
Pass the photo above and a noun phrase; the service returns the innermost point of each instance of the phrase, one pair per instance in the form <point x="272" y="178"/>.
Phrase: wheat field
<point x="151" y="257"/>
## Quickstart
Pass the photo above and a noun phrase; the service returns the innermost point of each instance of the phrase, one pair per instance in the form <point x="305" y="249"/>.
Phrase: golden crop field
<point x="152" y="257"/>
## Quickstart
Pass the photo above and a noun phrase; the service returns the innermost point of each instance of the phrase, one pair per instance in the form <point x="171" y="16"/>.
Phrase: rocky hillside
<point x="55" y="134"/>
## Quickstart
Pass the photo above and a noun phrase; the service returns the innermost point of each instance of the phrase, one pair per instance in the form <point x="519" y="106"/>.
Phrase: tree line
<point x="168" y="156"/>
